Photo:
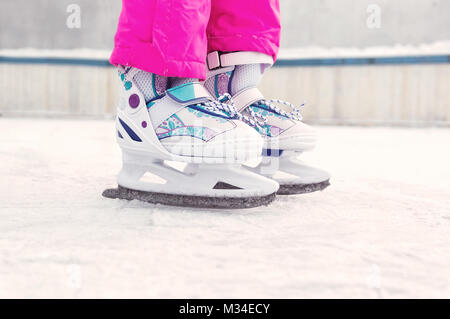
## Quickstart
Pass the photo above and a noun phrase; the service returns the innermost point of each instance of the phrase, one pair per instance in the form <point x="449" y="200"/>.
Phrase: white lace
<point x="294" y="115"/>
<point x="225" y="103"/>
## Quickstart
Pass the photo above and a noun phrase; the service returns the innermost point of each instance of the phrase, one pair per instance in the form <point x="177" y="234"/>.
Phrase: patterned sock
<point x="174" y="81"/>
<point x="151" y="85"/>
<point x="245" y="76"/>
<point x="242" y="77"/>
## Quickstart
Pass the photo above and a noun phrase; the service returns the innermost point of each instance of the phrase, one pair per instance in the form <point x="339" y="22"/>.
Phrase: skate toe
<point x="300" y="137"/>
<point x="237" y="145"/>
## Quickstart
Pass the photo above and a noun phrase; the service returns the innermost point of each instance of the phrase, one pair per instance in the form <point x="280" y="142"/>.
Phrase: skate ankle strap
<point x="189" y="92"/>
<point x="247" y="97"/>
<point x="216" y="59"/>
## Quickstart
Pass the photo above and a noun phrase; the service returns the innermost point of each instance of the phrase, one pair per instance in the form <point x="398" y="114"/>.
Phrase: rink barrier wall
<point x="55" y="61"/>
<point x="428" y="59"/>
<point x="406" y="91"/>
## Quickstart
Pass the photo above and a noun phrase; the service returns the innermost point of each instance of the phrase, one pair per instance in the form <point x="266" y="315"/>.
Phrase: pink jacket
<point x="172" y="37"/>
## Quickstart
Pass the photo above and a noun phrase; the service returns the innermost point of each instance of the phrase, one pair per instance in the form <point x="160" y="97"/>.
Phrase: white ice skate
<point x="285" y="135"/>
<point x="186" y="125"/>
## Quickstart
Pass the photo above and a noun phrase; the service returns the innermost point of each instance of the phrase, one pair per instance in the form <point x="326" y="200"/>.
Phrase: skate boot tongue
<point x="190" y="93"/>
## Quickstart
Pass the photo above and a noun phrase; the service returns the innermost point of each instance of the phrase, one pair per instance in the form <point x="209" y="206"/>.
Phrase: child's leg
<point x="237" y="25"/>
<point x="167" y="38"/>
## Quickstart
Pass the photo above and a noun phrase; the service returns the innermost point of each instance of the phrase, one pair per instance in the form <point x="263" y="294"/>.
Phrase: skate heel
<point x="294" y="176"/>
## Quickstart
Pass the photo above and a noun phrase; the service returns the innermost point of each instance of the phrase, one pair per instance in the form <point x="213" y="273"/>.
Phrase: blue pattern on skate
<point x="272" y="153"/>
<point x="129" y="131"/>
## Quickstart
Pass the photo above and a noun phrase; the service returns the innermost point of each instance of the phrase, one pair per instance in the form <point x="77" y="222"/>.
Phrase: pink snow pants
<point x="172" y="37"/>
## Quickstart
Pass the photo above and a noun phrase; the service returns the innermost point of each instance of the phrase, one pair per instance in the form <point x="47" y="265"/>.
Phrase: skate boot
<point x="183" y="148"/>
<point x="280" y="123"/>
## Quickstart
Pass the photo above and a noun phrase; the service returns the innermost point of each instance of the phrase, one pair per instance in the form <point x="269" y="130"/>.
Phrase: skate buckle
<point x="213" y="60"/>
<point x="217" y="59"/>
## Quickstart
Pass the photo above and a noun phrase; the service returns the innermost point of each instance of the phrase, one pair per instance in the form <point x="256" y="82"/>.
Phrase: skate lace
<point x="225" y="103"/>
<point x="293" y="115"/>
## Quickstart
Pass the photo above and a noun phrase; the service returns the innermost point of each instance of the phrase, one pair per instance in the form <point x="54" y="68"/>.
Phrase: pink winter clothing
<point x="172" y="37"/>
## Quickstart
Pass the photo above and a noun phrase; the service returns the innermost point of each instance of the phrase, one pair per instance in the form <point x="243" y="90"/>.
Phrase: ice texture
<point x="382" y="229"/>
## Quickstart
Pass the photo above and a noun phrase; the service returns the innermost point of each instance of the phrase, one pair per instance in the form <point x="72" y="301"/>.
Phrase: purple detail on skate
<point x="160" y="84"/>
<point x="270" y="130"/>
<point x="174" y="126"/>
<point x="222" y="83"/>
<point x="120" y="135"/>
<point x="134" y="101"/>
<point x="272" y="153"/>
<point x="275" y="130"/>
<point x="230" y="81"/>
<point x="129" y="131"/>
<point x="144" y="124"/>
<point x="202" y="133"/>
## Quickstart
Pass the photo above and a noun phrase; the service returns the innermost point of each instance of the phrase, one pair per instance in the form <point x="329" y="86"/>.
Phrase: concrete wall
<point x="328" y="23"/>
<point x="342" y="23"/>
<point x="41" y="24"/>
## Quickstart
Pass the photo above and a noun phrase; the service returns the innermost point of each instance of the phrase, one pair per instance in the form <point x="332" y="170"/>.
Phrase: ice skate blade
<point x="294" y="189"/>
<point x="189" y="201"/>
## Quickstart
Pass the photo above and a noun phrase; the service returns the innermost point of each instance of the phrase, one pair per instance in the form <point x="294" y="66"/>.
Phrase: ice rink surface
<point x="381" y="230"/>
